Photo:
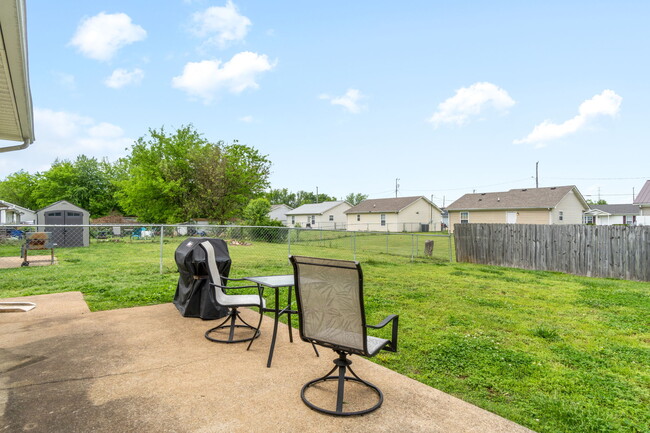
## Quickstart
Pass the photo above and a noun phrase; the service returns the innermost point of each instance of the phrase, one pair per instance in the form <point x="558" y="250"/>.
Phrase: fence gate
<point x="65" y="236"/>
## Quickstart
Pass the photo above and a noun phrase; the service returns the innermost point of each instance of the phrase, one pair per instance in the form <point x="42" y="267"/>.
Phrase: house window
<point x="561" y="216"/>
<point x="464" y="217"/>
<point x="359" y="217"/>
<point x="383" y="219"/>
<point x="331" y="217"/>
<point x="313" y="219"/>
<point x="589" y="219"/>
<point x="293" y="219"/>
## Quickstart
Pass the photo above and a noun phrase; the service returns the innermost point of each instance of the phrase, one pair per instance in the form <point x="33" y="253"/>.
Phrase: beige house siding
<point x="533" y="216"/>
<point x="408" y="219"/>
<point x="571" y="209"/>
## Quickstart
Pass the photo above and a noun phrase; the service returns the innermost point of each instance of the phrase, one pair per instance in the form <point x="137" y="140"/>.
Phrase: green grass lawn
<point x="553" y="352"/>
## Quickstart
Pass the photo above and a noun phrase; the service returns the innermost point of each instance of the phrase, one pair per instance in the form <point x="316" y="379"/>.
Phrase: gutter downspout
<point x="25" y="145"/>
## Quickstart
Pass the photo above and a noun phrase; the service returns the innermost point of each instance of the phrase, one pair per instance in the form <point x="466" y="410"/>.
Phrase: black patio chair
<point x="331" y="314"/>
<point x="233" y="302"/>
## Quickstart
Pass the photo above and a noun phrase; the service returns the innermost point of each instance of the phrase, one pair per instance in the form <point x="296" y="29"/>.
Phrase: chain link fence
<point x="267" y="246"/>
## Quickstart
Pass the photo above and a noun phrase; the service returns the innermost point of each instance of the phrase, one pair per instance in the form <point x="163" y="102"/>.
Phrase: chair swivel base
<point x="233" y="315"/>
<point x="343" y="364"/>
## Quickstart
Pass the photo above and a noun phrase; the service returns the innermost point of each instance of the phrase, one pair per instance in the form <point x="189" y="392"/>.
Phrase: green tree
<point x="284" y="196"/>
<point x="85" y="182"/>
<point x="18" y="188"/>
<point x="355" y="199"/>
<point x="170" y="178"/>
<point x="257" y="211"/>
<point x="281" y="196"/>
<point x="601" y="201"/>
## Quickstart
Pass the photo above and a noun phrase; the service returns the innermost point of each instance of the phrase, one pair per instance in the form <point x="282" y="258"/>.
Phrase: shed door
<point x="58" y="233"/>
<point x="65" y="236"/>
<point x="74" y="236"/>
<point x="511" y="217"/>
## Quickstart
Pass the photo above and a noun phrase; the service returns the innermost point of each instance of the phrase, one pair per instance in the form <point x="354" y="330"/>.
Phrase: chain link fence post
<point x="162" y="235"/>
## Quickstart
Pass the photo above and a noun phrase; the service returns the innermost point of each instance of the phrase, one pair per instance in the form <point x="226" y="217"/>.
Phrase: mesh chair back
<point x="215" y="277"/>
<point x="330" y="302"/>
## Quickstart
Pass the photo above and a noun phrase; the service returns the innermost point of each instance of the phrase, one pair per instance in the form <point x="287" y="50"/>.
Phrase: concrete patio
<point x="147" y="369"/>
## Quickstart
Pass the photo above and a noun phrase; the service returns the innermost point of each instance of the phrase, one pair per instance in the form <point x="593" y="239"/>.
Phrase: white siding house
<point x="400" y="214"/>
<point x="279" y="213"/>
<point x="643" y="201"/>
<point x="329" y="215"/>
<point x="13" y="214"/>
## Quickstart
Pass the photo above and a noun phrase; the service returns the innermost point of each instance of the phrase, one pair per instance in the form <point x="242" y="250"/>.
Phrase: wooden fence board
<point x="595" y="251"/>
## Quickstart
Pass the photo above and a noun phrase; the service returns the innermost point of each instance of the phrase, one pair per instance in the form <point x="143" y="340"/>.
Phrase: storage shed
<point x="64" y="213"/>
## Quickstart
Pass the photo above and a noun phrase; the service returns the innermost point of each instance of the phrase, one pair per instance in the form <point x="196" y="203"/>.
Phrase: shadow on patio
<point x="147" y="369"/>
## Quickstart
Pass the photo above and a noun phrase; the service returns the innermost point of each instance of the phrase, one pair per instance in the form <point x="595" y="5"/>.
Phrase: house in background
<point x="642" y="200"/>
<point x="550" y="205"/>
<point x="13" y="214"/>
<point x="328" y="215"/>
<point x="279" y="213"/>
<point x="400" y="214"/>
<point x="610" y="214"/>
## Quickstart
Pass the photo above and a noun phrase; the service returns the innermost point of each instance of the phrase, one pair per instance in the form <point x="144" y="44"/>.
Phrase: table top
<point x="273" y="281"/>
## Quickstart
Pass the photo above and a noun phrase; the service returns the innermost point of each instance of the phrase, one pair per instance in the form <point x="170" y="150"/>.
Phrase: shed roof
<point x="65" y="203"/>
<point x="16" y="112"/>
<point x="643" y="197"/>
<point x="386" y="205"/>
<point x="526" y="198"/>
<point x="315" y="208"/>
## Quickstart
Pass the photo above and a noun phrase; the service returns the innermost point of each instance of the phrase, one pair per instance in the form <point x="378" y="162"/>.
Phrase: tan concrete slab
<point x="17" y="262"/>
<point x="148" y="369"/>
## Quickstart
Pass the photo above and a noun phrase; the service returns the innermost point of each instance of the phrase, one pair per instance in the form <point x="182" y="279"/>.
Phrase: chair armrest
<point x="233" y="279"/>
<point x="232" y="287"/>
<point x="394" y="318"/>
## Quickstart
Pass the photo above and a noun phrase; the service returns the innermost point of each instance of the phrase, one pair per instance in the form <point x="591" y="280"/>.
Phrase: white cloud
<point x="246" y="119"/>
<point x="350" y="101"/>
<point x="67" y="135"/>
<point x="608" y="103"/>
<point x="206" y="78"/>
<point x="101" y="36"/>
<point x="221" y="24"/>
<point x="471" y="101"/>
<point x="121" y="77"/>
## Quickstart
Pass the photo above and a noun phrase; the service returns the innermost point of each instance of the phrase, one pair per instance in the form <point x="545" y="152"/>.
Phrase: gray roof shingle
<point x="526" y="198"/>
<point x="384" y="205"/>
<point x="315" y="208"/>
<point x="618" y="209"/>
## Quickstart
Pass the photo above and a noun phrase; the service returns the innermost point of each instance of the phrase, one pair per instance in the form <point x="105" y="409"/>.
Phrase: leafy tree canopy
<point x="283" y="196"/>
<point x="601" y="201"/>
<point x="17" y="188"/>
<point x="171" y="178"/>
<point x="355" y="199"/>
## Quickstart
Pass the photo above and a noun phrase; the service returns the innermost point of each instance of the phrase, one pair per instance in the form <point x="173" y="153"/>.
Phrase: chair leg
<point x="343" y="365"/>
<point x="233" y="315"/>
<point x="259" y="324"/>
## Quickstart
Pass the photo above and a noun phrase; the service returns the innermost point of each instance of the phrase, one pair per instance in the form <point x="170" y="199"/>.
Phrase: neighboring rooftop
<point x="385" y="205"/>
<point x="617" y="209"/>
<point x="524" y="198"/>
<point x="643" y="197"/>
<point x="315" y="208"/>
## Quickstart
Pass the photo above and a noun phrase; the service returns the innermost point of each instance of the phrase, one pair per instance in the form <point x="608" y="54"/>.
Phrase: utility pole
<point x="537" y="174"/>
<point x="396" y="186"/>
<point x="316" y="195"/>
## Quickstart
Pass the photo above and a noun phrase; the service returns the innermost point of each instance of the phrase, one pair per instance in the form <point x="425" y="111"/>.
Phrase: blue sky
<point x="447" y="97"/>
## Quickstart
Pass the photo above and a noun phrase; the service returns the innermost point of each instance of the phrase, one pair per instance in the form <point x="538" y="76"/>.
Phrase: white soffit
<point x="16" y="112"/>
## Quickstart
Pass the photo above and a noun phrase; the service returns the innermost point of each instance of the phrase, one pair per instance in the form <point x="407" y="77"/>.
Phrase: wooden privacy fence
<point x="594" y="251"/>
